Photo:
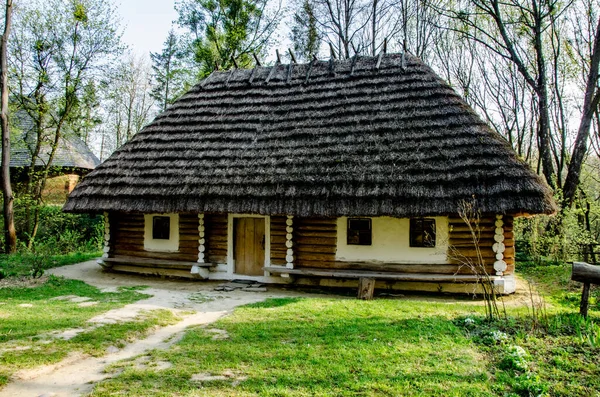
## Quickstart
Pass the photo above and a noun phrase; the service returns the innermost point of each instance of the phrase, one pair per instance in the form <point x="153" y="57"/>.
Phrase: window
<point x="359" y="232"/>
<point x="161" y="228"/>
<point x="422" y="232"/>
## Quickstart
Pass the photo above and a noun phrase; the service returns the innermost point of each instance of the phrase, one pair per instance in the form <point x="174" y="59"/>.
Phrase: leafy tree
<point x="58" y="48"/>
<point x="169" y="73"/>
<point x="304" y="33"/>
<point x="226" y="32"/>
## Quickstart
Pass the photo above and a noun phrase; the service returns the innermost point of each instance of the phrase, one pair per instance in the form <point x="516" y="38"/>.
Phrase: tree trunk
<point x="590" y="105"/>
<point x="10" y="234"/>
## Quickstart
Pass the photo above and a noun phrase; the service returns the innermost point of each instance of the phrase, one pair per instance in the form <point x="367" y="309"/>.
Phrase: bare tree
<point x="517" y="31"/>
<point x="341" y="23"/>
<point x="128" y="104"/>
<point x="589" y="55"/>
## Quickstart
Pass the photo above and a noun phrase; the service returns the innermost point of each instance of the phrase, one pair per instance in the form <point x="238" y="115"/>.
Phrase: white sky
<point x="146" y="23"/>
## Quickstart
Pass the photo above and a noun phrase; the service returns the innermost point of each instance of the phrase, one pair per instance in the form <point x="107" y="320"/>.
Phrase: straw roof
<point x="71" y="152"/>
<point x="365" y="136"/>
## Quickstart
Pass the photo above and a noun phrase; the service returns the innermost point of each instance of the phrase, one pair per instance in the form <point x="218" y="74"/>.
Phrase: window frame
<point x="419" y="232"/>
<point x="161" y="245"/>
<point x="362" y="237"/>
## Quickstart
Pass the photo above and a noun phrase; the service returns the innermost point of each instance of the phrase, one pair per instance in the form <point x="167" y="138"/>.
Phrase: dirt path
<point x="76" y="375"/>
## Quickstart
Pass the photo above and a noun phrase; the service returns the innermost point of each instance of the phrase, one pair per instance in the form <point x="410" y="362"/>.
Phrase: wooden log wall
<point x="216" y="237"/>
<point x="315" y="241"/>
<point x="278" y="248"/>
<point x="461" y="247"/>
<point x="127" y="237"/>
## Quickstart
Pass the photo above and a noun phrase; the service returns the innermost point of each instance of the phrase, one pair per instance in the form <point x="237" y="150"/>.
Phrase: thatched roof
<point x="324" y="139"/>
<point x="71" y="153"/>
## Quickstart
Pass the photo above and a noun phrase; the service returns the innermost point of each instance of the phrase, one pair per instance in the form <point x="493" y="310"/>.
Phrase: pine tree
<point x="170" y="77"/>
<point x="304" y="33"/>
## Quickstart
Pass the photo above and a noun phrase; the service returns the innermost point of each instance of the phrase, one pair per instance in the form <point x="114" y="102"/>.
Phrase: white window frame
<point x="161" y="245"/>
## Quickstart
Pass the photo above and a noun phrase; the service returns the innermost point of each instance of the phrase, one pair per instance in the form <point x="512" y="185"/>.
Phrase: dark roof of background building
<point x="368" y="136"/>
<point x="71" y="152"/>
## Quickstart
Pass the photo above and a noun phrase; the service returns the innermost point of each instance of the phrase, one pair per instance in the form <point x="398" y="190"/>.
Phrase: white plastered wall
<point x="159" y="245"/>
<point x="391" y="243"/>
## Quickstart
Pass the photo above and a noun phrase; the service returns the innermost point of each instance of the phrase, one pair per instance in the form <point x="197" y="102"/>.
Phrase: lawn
<point x="408" y="347"/>
<point x="411" y="346"/>
<point x="320" y="347"/>
<point x="30" y="318"/>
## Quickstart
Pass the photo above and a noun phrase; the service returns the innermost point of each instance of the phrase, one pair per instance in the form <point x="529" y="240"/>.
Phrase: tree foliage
<point x="223" y="33"/>
<point x="58" y="49"/>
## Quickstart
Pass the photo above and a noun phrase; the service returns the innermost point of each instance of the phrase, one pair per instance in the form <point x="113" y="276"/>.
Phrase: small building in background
<point x="72" y="160"/>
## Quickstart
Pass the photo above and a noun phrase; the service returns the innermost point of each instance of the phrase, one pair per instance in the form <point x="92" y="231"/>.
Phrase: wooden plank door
<point x="249" y="246"/>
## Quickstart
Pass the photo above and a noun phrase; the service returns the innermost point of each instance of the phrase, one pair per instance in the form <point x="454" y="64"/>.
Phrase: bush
<point x="61" y="233"/>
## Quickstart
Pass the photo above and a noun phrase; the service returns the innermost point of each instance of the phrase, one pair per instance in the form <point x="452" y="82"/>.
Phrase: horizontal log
<point x="324" y="249"/>
<point x="485" y="252"/>
<point x="439" y="268"/>
<point x="157" y="255"/>
<point x="166" y="263"/>
<point x="135" y="225"/>
<point x="469" y="243"/>
<point x="301" y="257"/>
<point x="311" y="228"/>
<point x="316" y="241"/>
<point x="128" y="229"/>
<point x="338" y="273"/>
<point x="211" y="244"/>
<point x="320" y="233"/>
<point x="319" y="264"/>
<point x="585" y="273"/>
<point x="315" y="221"/>
<point x="490" y="228"/>
<point x="278" y="240"/>
<point x="155" y="271"/>
<point x="217" y="258"/>
<point x="464" y="235"/>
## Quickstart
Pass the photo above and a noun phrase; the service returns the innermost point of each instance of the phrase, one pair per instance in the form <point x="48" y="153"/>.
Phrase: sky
<point x="146" y="23"/>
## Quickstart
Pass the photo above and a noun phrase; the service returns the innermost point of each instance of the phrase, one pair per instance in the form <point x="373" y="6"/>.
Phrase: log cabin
<point x="321" y="173"/>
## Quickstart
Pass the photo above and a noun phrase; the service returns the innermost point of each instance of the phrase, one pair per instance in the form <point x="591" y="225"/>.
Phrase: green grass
<point x="28" y="317"/>
<point x="19" y="265"/>
<point x="321" y="347"/>
<point x="555" y="283"/>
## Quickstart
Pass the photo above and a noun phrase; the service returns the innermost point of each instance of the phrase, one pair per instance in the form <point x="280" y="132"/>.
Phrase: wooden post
<point x="585" y="296"/>
<point x="366" y="287"/>
<point x="587" y="274"/>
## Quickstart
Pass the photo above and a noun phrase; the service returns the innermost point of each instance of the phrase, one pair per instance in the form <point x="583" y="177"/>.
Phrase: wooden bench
<point x="367" y="278"/>
<point x="162" y="267"/>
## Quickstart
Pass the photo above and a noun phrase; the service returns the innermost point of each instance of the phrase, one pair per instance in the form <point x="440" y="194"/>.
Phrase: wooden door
<point x="249" y="246"/>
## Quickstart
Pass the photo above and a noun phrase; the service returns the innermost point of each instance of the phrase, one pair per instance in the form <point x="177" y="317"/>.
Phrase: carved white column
<point x="201" y="238"/>
<point x="498" y="247"/>
<point x="106" y="248"/>
<point x="289" y="228"/>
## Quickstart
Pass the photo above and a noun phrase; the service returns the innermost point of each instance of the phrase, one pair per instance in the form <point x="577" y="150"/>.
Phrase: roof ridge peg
<point x="274" y="67"/>
<point x="289" y="73"/>
<point x="310" y="66"/>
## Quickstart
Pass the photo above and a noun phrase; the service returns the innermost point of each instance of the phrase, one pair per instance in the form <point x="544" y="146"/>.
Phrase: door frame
<point x="230" y="248"/>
